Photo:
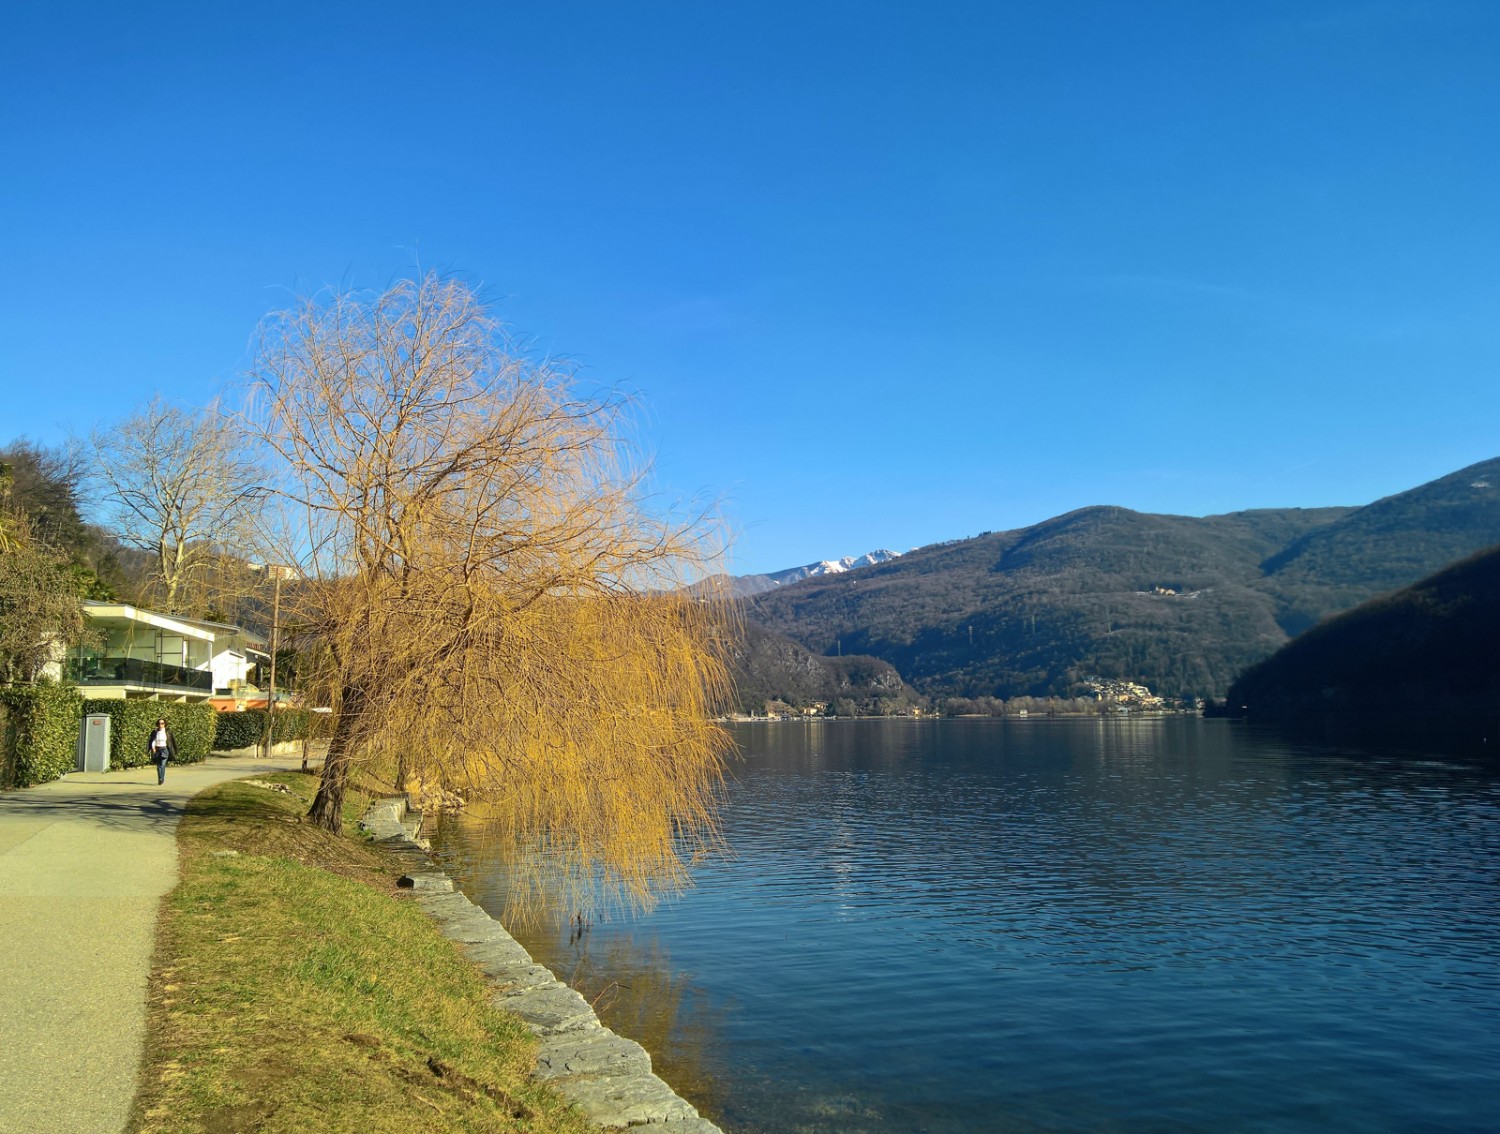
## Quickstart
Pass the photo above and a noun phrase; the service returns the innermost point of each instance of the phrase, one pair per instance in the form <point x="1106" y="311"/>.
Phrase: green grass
<point x="296" y="989"/>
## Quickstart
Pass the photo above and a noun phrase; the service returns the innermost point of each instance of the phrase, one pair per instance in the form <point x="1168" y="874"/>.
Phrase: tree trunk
<point x="327" y="810"/>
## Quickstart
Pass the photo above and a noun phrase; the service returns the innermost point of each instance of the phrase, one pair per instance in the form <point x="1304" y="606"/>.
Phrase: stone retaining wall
<point x="278" y="748"/>
<point x="608" y="1077"/>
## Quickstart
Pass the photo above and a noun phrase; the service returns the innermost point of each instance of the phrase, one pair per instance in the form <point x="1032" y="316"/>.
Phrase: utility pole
<point x="275" y="641"/>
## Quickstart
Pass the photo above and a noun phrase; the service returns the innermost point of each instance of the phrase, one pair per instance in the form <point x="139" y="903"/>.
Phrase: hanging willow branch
<point x="497" y="607"/>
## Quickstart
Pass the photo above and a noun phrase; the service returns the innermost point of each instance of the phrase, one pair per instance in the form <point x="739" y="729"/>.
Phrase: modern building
<point x="141" y="653"/>
<point x="239" y="657"/>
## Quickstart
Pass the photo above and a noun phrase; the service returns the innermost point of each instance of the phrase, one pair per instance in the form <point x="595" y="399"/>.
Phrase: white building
<point x="160" y="657"/>
<point x="237" y="654"/>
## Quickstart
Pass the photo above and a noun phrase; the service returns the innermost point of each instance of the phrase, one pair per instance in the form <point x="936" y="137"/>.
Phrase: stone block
<point x="412" y="858"/>
<point x="382" y="819"/>
<point x="518" y="977"/>
<point x="591" y="1052"/>
<point x="631" y="1100"/>
<point x="427" y="881"/>
<point x="475" y="928"/>
<point x="548" y="1009"/>
<point x="449" y="907"/>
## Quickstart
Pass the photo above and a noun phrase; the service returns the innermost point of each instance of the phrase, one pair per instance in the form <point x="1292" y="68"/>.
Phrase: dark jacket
<point x="171" y="743"/>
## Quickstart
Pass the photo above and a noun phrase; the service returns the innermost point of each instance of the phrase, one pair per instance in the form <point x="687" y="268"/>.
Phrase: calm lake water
<point x="1124" y="925"/>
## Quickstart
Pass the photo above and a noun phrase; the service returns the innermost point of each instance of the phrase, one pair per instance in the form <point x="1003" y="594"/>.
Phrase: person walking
<point x="162" y="747"/>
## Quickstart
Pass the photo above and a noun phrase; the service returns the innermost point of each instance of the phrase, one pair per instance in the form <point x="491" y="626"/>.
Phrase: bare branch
<point x="500" y="608"/>
<point x="178" y="484"/>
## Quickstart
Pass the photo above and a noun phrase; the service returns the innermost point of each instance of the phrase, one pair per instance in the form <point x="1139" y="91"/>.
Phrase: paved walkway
<point x="84" y="863"/>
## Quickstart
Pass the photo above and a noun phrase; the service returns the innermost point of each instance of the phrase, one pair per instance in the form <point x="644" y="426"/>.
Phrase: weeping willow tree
<point x="497" y="606"/>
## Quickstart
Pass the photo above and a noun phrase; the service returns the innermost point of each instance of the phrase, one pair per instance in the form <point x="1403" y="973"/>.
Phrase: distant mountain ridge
<point x="745" y="586"/>
<point x="1182" y="604"/>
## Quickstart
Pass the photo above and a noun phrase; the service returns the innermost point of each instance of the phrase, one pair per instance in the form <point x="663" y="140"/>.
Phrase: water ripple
<point x="1171" y="925"/>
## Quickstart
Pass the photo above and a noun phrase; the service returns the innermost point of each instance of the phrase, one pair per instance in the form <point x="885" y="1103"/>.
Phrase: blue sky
<point x="880" y="274"/>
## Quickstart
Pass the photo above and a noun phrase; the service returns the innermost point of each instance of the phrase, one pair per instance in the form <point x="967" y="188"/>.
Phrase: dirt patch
<point x="259" y="1084"/>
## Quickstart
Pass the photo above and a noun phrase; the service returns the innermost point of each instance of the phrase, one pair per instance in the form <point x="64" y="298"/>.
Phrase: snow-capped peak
<point x="832" y="566"/>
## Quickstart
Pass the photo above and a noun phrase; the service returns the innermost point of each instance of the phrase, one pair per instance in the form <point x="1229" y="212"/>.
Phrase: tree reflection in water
<point x="631" y="984"/>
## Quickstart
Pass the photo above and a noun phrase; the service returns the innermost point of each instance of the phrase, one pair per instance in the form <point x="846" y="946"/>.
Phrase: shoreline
<point x="814" y="718"/>
<point x="606" y="1076"/>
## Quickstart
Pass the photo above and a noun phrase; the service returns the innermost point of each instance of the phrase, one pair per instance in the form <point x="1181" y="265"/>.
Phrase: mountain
<point x="746" y="586"/>
<point x="1428" y="646"/>
<point x="1388" y="544"/>
<point x="1182" y="604"/>
<point x="769" y="667"/>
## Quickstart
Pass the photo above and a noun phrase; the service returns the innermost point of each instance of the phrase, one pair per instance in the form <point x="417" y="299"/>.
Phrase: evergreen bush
<point x="242" y="729"/>
<point x="39" y="740"/>
<point x="238" y="730"/>
<point x="131" y="723"/>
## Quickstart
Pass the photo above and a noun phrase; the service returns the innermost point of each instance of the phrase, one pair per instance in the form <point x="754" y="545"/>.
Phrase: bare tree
<point x="500" y="610"/>
<point x="177" y="484"/>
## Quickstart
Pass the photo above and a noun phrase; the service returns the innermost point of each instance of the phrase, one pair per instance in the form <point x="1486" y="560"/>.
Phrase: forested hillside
<point x="1387" y="545"/>
<point x="770" y="668"/>
<point x="1432" y="645"/>
<point x="1183" y="604"/>
<point x="43" y="486"/>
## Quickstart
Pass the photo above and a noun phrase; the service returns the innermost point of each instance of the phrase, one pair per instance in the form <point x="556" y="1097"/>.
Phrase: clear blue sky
<point x="881" y="274"/>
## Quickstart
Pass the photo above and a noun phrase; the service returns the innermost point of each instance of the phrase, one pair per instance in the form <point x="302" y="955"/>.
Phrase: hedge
<point x="39" y="733"/>
<point x="240" y="730"/>
<point x="132" y="721"/>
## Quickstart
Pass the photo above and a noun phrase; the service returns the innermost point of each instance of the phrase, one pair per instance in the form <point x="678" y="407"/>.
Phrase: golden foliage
<point x="498" y="607"/>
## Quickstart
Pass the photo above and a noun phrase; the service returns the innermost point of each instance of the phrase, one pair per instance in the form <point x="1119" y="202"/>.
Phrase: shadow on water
<point x="1403" y="735"/>
<point x="637" y="992"/>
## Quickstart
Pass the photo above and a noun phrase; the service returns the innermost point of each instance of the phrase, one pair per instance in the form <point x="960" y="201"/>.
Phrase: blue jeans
<point x="161" y="768"/>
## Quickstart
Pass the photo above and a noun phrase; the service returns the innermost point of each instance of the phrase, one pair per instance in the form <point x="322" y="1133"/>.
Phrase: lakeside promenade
<point x="84" y="863"/>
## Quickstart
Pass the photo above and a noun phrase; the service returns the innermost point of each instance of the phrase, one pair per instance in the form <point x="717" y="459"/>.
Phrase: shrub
<point x="132" y="721"/>
<point x="193" y="726"/>
<point x="40" y="740"/>
<point x="238" y="730"/>
<point x="242" y="729"/>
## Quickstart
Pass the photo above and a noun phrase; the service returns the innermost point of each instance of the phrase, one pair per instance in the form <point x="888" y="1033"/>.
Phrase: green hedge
<point x="240" y="730"/>
<point x="192" y="727"/>
<point x="39" y="737"/>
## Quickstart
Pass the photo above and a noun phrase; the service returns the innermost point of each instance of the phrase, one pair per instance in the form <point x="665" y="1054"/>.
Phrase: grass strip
<point x="295" y="988"/>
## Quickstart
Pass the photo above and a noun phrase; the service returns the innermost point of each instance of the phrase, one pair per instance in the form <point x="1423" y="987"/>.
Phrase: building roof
<point x="120" y="613"/>
<point x="255" y="642"/>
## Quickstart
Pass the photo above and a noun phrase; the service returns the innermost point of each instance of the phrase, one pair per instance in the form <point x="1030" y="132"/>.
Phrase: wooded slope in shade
<point x="769" y="667"/>
<point x="1432" y="645"/>
<point x="1183" y="604"/>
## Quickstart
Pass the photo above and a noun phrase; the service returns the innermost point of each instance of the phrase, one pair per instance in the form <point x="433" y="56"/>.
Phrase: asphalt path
<point x="84" y="863"/>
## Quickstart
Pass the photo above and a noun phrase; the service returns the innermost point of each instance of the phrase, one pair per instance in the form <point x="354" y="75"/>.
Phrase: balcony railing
<point x="134" y="671"/>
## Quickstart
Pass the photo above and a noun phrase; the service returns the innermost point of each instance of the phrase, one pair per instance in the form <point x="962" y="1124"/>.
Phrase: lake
<point x="1166" y="924"/>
